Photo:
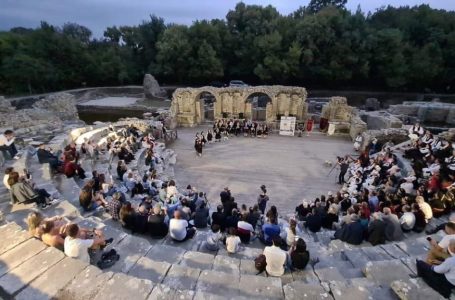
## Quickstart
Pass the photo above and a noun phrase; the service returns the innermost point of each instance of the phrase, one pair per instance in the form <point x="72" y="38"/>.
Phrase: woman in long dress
<point x="198" y="146"/>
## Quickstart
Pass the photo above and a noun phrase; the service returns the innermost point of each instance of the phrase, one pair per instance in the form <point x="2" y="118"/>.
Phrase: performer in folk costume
<point x="198" y="146"/>
<point x="209" y="136"/>
<point x="309" y="126"/>
<point x="358" y="142"/>
<point x="416" y="131"/>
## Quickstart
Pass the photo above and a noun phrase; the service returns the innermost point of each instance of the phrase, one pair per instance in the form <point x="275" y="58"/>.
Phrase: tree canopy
<point x="322" y="45"/>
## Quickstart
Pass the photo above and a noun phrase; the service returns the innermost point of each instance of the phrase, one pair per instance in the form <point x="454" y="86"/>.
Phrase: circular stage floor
<point x="292" y="168"/>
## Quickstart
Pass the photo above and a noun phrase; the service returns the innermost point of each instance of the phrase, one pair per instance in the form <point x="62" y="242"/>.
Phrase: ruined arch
<point x="231" y="102"/>
<point x="259" y="102"/>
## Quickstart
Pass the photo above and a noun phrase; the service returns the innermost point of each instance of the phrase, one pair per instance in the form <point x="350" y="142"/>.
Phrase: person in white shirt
<point x="442" y="277"/>
<point x="358" y="142"/>
<point x="408" y="219"/>
<point x="178" y="228"/>
<point x="439" y="251"/>
<point x="232" y="241"/>
<point x="416" y="131"/>
<point x="244" y="229"/>
<point x="6" y="177"/>
<point x="78" y="248"/>
<point x="213" y="239"/>
<point x="275" y="258"/>
<point x="7" y="144"/>
<point x="425" y="207"/>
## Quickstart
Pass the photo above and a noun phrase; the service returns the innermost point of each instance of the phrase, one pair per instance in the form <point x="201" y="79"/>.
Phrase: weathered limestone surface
<point x="172" y="255"/>
<point x="85" y="285"/>
<point x="257" y="287"/>
<point x="414" y="289"/>
<point x="152" y="270"/>
<point x="180" y="277"/>
<point x="343" y="119"/>
<point x="62" y="105"/>
<point x="52" y="280"/>
<point x="165" y="292"/>
<point x="433" y="112"/>
<point x="219" y="283"/>
<point x="22" y="275"/>
<point x="232" y="102"/>
<point x="394" y="135"/>
<point x="124" y="287"/>
<point x="12" y="235"/>
<point x="385" y="272"/>
<point x="298" y="290"/>
<point x="197" y="260"/>
<point x="381" y="120"/>
<point x="20" y="254"/>
<point x="130" y="249"/>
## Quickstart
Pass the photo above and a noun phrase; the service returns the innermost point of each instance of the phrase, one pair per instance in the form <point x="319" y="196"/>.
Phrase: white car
<point x="237" y="83"/>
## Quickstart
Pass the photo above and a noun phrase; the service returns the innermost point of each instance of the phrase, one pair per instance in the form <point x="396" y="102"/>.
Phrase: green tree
<point x="317" y="5"/>
<point x="206" y="66"/>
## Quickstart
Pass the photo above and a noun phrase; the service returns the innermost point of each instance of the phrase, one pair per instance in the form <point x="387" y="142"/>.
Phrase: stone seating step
<point x="20" y="254"/>
<point x="19" y="277"/>
<point x="12" y="235"/>
<point x="299" y="290"/>
<point x="55" y="278"/>
<point x="385" y="272"/>
<point x="414" y="289"/>
<point x="124" y="287"/>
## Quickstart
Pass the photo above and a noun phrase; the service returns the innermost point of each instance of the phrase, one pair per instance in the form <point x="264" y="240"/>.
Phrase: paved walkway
<point x="292" y="168"/>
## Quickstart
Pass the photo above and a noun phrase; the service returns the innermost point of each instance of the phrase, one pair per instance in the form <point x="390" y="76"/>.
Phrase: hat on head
<point x="329" y="193"/>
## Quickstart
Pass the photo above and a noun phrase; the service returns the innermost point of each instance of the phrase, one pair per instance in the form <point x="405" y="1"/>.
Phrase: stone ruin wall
<point x="188" y="108"/>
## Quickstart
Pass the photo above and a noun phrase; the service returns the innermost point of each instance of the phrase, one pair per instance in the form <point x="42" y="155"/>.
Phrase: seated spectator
<point x="232" y="219"/>
<point x="245" y="230"/>
<point x="219" y="218"/>
<point x="213" y="239"/>
<point x="275" y="258"/>
<point x="114" y="205"/>
<point x="408" y="219"/>
<point x="330" y="218"/>
<point x="346" y="219"/>
<point x="51" y="235"/>
<point x="302" y="210"/>
<point x="420" y="221"/>
<point x="46" y="156"/>
<point x="254" y="215"/>
<point x="156" y="225"/>
<point x="86" y="250"/>
<point x="22" y="192"/>
<point x="35" y="219"/>
<point x="442" y="277"/>
<point x="71" y="168"/>
<point x="441" y="226"/>
<point x="351" y="233"/>
<point x="291" y="233"/>
<point x="393" y="230"/>
<point x="201" y="216"/>
<point x="232" y="241"/>
<point x="439" y="251"/>
<point x="7" y="144"/>
<point x="90" y="200"/>
<point x="269" y="231"/>
<point x="376" y="230"/>
<point x="121" y="169"/>
<point x="178" y="228"/>
<point x="425" y="207"/>
<point x="313" y="221"/>
<point x="299" y="255"/>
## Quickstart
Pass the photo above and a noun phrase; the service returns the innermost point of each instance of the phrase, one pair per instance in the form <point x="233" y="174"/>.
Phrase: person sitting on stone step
<point x="71" y="168"/>
<point x="376" y="230"/>
<point x="46" y="156"/>
<point x="6" y="176"/>
<point x="269" y="231"/>
<point x="219" y="218"/>
<point x="233" y="241"/>
<point x="179" y="229"/>
<point x="439" y="251"/>
<point x="298" y="255"/>
<point x="245" y="230"/>
<point x="90" y="200"/>
<point x="352" y="233"/>
<point x="214" y="238"/>
<point x="7" y="144"/>
<point x="23" y="192"/>
<point x="35" y="219"/>
<point x="393" y="231"/>
<point x="442" y="277"/>
<point x="157" y="227"/>
<point x="87" y="250"/>
<point x="275" y="258"/>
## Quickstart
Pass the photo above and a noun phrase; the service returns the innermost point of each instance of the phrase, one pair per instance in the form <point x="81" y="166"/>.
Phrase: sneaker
<point x="16" y="157"/>
<point x="44" y="206"/>
<point x="109" y="241"/>
<point x="53" y="201"/>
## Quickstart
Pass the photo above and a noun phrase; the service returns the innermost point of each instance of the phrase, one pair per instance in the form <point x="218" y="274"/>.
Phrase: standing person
<point x="7" y="144"/>
<point x="209" y="136"/>
<point x="344" y="165"/>
<point x="309" y="126"/>
<point x="198" y="146"/>
<point x="262" y="199"/>
<point x="358" y="142"/>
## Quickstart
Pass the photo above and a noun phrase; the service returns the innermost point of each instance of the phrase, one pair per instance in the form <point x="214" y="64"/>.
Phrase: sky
<point x="99" y="14"/>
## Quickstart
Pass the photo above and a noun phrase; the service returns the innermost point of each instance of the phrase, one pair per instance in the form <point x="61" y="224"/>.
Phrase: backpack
<point x="108" y="259"/>
<point x="260" y="263"/>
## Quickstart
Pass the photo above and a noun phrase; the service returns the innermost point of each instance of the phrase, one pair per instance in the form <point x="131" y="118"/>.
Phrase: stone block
<point x="376" y="253"/>
<point x="164" y="292"/>
<point x="197" y="260"/>
<point x="343" y="290"/>
<point x="85" y="285"/>
<point x="182" y="278"/>
<point x="22" y="275"/>
<point x="124" y="287"/>
<point x="20" y="254"/>
<point x="305" y="276"/>
<point x="413" y="247"/>
<point x="130" y="249"/>
<point x="218" y="283"/>
<point x="247" y="267"/>
<point x="304" y="291"/>
<point x="54" y="279"/>
<point x="172" y="255"/>
<point x="414" y="289"/>
<point x="12" y="235"/>
<point x="385" y="272"/>
<point x="394" y="251"/>
<point x="63" y="208"/>
<point x="146" y="268"/>
<point x="227" y="264"/>
<point x="257" y="287"/>
<point x="329" y="274"/>
<point x="356" y="257"/>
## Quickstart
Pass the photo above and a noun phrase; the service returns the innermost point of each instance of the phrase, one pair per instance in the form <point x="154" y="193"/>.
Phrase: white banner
<point x="287" y="126"/>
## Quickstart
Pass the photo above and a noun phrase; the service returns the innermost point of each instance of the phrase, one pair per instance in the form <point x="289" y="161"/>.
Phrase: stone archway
<point x="208" y="101"/>
<point x="231" y="102"/>
<point x="259" y="102"/>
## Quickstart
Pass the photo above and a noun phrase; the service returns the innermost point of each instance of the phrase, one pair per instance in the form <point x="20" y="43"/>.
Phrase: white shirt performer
<point x="7" y="144"/>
